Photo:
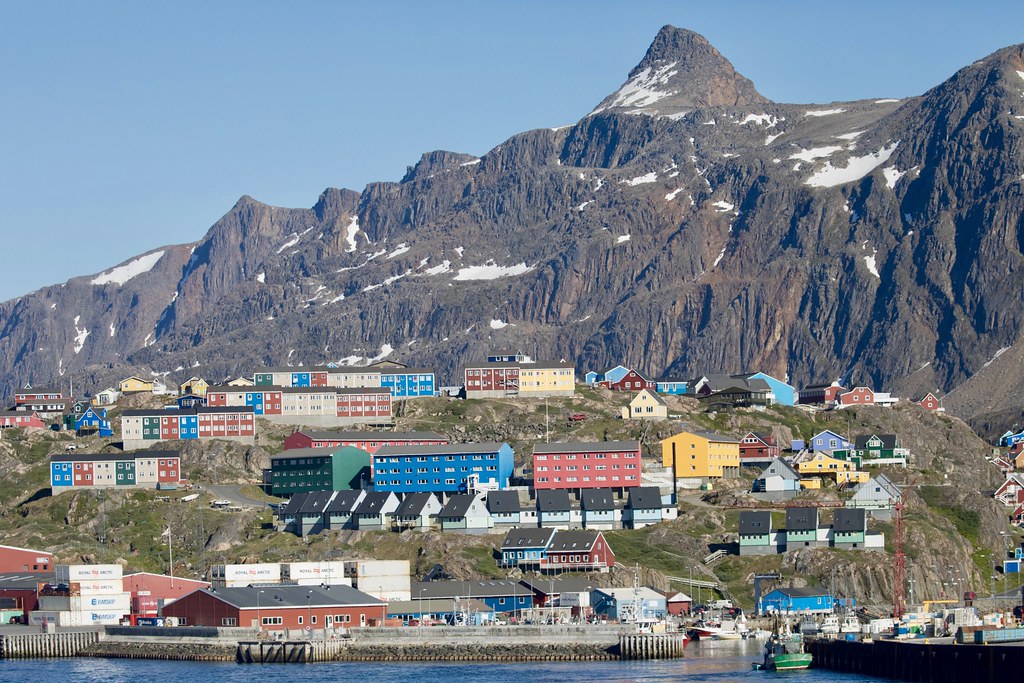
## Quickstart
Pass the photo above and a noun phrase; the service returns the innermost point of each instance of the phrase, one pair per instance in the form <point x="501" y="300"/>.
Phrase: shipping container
<point x="358" y="568"/>
<point x="115" y="602"/>
<point x="66" y="573"/>
<point x="999" y="635"/>
<point x="60" y="618"/>
<point x="234" y="575"/>
<point x="579" y="599"/>
<point x="385" y="587"/>
<point x="97" y="587"/>
<point x="343" y="581"/>
<point x="322" y="572"/>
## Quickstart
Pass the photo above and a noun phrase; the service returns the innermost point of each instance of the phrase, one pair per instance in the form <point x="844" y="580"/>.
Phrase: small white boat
<point x="829" y="625"/>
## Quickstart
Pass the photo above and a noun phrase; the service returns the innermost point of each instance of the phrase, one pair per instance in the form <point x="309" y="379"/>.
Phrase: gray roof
<point x="801" y="519"/>
<point x="573" y="540"/>
<point x="294" y="504"/>
<point x="503" y="501"/>
<point x="413" y="504"/>
<point x="644" y="498"/>
<point x="586" y="447"/>
<point x="779" y="467"/>
<point x="755" y="523"/>
<point x="555" y="500"/>
<point x="459" y="505"/>
<point x="313" y="452"/>
<point x="199" y="410"/>
<point x="849" y="519"/>
<point x="657" y="398"/>
<point x="712" y="436"/>
<point x="471" y="589"/>
<point x="440" y="449"/>
<point x="373" y="502"/>
<point x="597" y="499"/>
<point x="372" y="436"/>
<point x="344" y="502"/>
<point x="298" y="390"/>
<point x="25" y="580"/>
<point x="529" y="537"/>
<point x="316" y="502"/>
<point x="860" y="442"/>
<point x="436" y="606"/>
<point x="562" y="584"/>
<point x="338" y="370"/>
<point x="111" y="457"/>
<point x="268" y="598"/>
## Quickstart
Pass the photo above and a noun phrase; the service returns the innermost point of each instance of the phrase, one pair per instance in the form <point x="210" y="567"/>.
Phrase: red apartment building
<point x="578" y="465"/>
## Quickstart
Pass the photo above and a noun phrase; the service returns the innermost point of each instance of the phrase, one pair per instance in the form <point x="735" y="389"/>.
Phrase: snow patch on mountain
<point x="491" y="271"/>
<point x="124" y="273"/>
<point x="642" y="90"/>
<point x="816" y="153"/>
<point x="351" y="230"/>
<point x="855" y="169"/>
<point x="823" y="112"/>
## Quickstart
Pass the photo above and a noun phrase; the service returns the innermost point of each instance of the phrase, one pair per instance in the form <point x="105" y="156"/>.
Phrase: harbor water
<point x="720" y="662"/>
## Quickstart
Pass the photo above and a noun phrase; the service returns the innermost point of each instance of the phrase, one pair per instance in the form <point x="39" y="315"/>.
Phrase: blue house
<point x="784" y="393"/>
<point x="597" y="509"/>
<point x="525" y="548"/>
<point x="504" y="508"/>
<point x="643" y="506"/>
<point x="501" y="595"/>
<point x="797" y="600"/>
<point x="671" y="386"/>
<point x="829" y="441"/>
<point x="1010" y="439"/>
<point x="554" y="509"/>
<point x="629" y="603"/>
<point x="609" y="375"/>
<point x="190" y="401"/>
<point x="445" y="468"/>
<point x="406" y="382"/>
<point x="93" y="421"/>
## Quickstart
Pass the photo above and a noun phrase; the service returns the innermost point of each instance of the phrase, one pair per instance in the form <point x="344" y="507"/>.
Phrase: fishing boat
<point x="829" y="625"/>
<point x="784" y="652"/>
<point x="851" y="624"/>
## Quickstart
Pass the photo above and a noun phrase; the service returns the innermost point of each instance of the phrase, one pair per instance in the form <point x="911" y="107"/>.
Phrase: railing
<point x="715" y="556"/>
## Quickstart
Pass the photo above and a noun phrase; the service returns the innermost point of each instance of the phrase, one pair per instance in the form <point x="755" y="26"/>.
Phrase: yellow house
<point x="823" y="464"/>
<point x="646" y="405"/>
<point x="135" y="385"/>
<point x="241" y="382"/>
<point x="547" y="379"/>
<point x="810" y="483"/>
<point x="701" y="455"/>
<point x="195" y="386"/>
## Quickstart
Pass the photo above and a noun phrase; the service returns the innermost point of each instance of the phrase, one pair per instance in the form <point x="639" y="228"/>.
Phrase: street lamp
<point x="259" y="615"/>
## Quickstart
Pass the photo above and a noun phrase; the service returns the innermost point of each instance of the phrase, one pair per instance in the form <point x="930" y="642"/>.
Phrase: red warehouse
<point x="364" y="441"/>
<point x="20" y="418"/>
<point x="150" y="592"/>
<point x="18" y="560"/>
<point x="492" y="380"/>
<point x="578" y="465"/>
<point x="276" y="608"/>
<point x="858" y="396"/>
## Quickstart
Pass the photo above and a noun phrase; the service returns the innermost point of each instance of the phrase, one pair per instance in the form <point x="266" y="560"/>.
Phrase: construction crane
<point x="899" y="568"/>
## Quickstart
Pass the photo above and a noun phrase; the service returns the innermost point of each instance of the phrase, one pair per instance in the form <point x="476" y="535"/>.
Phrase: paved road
<point x="233" y="493"/>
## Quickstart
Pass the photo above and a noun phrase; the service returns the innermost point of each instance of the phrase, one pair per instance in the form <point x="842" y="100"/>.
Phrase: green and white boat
<point x="784" y="653"/>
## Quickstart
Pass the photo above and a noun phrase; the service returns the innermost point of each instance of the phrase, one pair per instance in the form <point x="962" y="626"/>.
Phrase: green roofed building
<point x="302" y="470"/>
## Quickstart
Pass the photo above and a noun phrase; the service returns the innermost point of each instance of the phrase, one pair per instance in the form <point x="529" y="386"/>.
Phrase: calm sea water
<point x="705" y="661"/>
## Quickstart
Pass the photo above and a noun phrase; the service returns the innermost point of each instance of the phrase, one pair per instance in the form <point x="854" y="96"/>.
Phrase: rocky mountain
<point x="687" y="224"/>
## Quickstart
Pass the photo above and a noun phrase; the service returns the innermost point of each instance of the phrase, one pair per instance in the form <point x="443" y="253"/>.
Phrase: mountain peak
<point x="680" y="72"/>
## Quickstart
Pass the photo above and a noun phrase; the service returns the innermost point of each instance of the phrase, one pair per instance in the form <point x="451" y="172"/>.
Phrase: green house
<point x="302" y="470"/>
<point x="126" y="473"/>
<point x="756" y="535"/>
<point x="849" y="527"/>
<point x="872" y="446"/>
<point x="801" y="528"/>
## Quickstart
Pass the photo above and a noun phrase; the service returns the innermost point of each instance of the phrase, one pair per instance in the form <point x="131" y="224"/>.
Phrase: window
<point x="300" y="620"/>
<point x="266" y="621"/>
<point x="229" y="621"/>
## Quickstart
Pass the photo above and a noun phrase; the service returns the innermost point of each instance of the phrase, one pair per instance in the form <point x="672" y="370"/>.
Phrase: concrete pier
<point x="43" y="645"/>
<point x="651" y="646"/>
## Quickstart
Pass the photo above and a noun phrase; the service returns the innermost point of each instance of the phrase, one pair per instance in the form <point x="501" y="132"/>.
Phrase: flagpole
<point x="170" y="552"/>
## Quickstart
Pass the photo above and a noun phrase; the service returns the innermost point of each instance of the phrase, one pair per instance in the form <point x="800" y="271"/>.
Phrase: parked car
<point x="577" y="417"/>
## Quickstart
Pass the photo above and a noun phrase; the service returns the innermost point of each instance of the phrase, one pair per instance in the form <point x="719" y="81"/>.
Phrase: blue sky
<point x="130" y="125"/>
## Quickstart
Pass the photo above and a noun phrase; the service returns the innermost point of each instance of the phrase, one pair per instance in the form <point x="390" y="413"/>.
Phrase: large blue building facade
<point x="408" y="382"/>
<point x="784" y="393"/>
<point x="797" y="600"/>
<point x="444" y="468"/>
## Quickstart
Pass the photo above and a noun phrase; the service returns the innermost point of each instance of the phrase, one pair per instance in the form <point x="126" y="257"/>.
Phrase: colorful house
<point x="500" y="380"/>
<point x="801" y="528"/>
<point x="821" y="463"/>
<point x="339" y="512"/>
<point x="1011" y="491"/>
<point x="417" y="511"/>
<point x="631" y="381"/>
<point x="29" y="396"/>
<point x="646" y="405"/>
<point x="931" y="402"/>
<point x="858" y="396"/>
<point x="144" y="469"/>
<point x="849" y="528"/>
<point x="194" y="385"/>
<point x="135" y="385"/>
<point x="757" y="537"/>
<point x="740" y="393"/>
<point x="797" y="601"/>
<point x="820" y="394"/>
<point x="446" y="468"/>
<point x="597" y="509"/>
<point x="757" y="447"/>
<point x="778" y="477"/>
<point x="702" y="455"/>
<point x="367" y="441"/>
<point x="554" y="509"/>
<point x="611" y="375"/>
<point x="583" y="465"/>
<point x="644" y="506"/>
<point x="318" y="376"/>
<point x="319" y="469"/>
<point x="374" y="511"/>
<point x="190" y="401"/>
<point x="585" y="551"/>
<point x="20" y="419"/>
<point x="781" y="392"/>
<point x="671" y="386"/>
<point x="308" y="405"/>
<point x="525" y="548"/>
<point x="629" y="604"/>
<point x="241" y="382"/>
<point x="829" y="441"/>
<point x="406" y="382"/>
<point x="499" y="595"/>
<point x="144" y="428"/>
<point x="466" y="513"/>
<point x="504" y="508"/>
<point x="93" y="421"/>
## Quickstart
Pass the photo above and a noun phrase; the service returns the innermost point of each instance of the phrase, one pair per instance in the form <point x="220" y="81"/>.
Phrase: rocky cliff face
<point x="686" y="225"/>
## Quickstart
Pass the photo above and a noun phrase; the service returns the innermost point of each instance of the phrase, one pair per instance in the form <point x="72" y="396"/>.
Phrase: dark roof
<point x="298" y="390"/>
<point x="346" y="369"/>
<point x="294" y="504"/>
<point x="755" y="523"/>
<point x="413" y="504"/>
<point x="471" y="589"/>
<point x="503" y="501"/>
<point x="803" y="592"/>
<point x="556" y="500"/>
<point x="562" y="584"/>
<point x="644" y="498"/>
<point x="372" y="436"/>
<point x="672" y="380"/>
<point x="547" y="365"/>
<point x="25" y="580"/>
<point x="586" y="447"/>
<point x="657" y="399"/>
<point x="597" y="499"/>
<point x="820" y="386"/>
<point x="111" y="457"/>
<point x="319" y="452"/>
<point x="712" y="436"/>
<point x="282" y="596"/>
<point x="440" y="449"/>
<point x="373" y="503"/>
<point x="849" y="519"/>
<point x="860" y="442"/>
<point x="437" y="606"/>
<point x="207" y="410"/>
<point x="573" y="540"/>
<point x="460" y="504"/>
<point x="316" y="502"/>
<point x="801" y="519"/>
<point x="527" y="538"/>
<point x="345" y="501"/>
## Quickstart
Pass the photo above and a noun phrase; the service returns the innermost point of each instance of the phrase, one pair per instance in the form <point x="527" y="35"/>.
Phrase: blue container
<point x="851" y="637"/>
<point x="1011" y="566"/>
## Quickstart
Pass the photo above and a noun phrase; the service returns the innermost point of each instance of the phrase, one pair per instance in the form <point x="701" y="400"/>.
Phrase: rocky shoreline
<point x="192" y="652"/>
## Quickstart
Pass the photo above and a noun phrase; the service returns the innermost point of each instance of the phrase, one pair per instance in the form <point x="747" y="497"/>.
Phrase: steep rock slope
<point x="686" y="225"/>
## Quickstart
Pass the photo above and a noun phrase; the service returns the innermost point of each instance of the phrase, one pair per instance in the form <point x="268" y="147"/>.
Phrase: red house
<point x="586" y="465"/>
<point x="931" y="402"/>
<point x="584" y="551"/>
<point x="858" y="396"/>
<point x="492" y="380"/>
<point x="279" y="607"/>
<point x="366" y="441"/>
<point x="20" y="418"/>
<point x="819" y="394"/>
<point x="631" y="381"/>
<point x="677" y="603"/>
<point x="30" y="395"/>
<point x="150" y="592"/>
<point x="757" y="447"/>
<point x="24" y="560"/>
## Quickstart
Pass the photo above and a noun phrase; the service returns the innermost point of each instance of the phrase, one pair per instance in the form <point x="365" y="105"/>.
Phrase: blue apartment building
<point x="446" y="468"/>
